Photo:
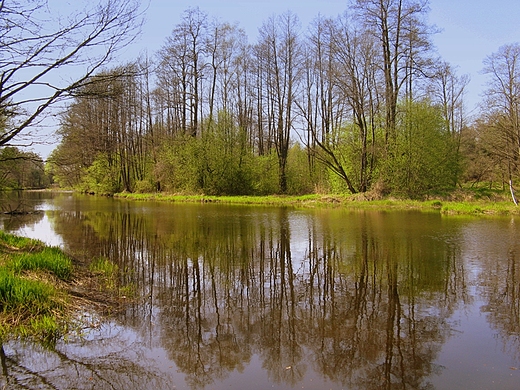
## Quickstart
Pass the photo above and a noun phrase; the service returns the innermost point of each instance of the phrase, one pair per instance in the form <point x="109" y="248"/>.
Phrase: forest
<point x="359" y="103"/>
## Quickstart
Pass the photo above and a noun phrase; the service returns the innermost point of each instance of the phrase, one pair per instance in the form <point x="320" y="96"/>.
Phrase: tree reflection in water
<point x="360" y="299"/>
<point x="500" y="285"/>
<point x="110" y="361"/>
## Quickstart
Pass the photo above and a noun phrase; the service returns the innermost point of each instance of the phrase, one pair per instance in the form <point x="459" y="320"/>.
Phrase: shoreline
<point x="499" y="206"/>
<point x="44" y="292"/>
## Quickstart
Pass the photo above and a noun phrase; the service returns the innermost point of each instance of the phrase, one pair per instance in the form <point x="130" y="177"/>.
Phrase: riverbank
<point x="45" y="294"/>
<point x="461" y="205"/>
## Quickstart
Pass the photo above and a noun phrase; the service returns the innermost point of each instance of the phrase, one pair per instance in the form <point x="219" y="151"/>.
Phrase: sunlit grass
<point x="26" y="306"/>
<point x="31" y="304"/>
<point x="480" y="208"/>
<point x="103" y="266"/>
<point x="50" y="259"/>
<point x="19" y="292"/>
<point x="11" y="241"/>
<point x="472" y="205"/>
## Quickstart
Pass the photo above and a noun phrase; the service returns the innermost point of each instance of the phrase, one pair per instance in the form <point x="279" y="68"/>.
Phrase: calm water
<point x="240" y="297"/>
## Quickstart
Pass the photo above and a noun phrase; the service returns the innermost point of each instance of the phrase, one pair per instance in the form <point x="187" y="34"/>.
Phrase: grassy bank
<point x="466" y="205"/>
<point x="41" y="290"/>
<point x="32" y="300"/>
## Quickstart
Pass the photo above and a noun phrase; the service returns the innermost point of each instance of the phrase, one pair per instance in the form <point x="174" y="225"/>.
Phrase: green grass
<point x="21" y="243"/>
<point x="107" y="272"/>
<point x="19" y="292"/>
<point x="480" y="208"/>
<point x="469" y="203"/>
<point x="50" y="259"/>
<point x="312" y="200"/>
<point x="31" y="304"/>
<point x="27" y="307"/>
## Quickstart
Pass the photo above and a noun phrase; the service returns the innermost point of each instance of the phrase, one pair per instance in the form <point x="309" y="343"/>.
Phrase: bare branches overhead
<point x="45" y="57"/>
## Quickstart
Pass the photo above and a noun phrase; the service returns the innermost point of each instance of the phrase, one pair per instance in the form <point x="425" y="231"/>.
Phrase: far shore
<point x="498" y="205"/>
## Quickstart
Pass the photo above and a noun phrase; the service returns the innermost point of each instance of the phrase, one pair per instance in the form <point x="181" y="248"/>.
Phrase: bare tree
<point x="321" y="106"/>
<point x="448" y="89"/>
<point x="403" y="37"/>
<point x="341" y="100"/>
<point x="280" y="48"/>
<point x="44" y="57"/>
<point x="181" y="70"/>
<point x="503" y="105"/>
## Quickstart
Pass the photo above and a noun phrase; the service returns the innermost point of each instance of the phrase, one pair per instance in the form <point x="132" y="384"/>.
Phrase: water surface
<point x="272" y="297"/>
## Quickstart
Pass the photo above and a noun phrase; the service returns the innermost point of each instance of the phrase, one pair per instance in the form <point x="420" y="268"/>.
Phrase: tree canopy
<point x="358" y="103"/>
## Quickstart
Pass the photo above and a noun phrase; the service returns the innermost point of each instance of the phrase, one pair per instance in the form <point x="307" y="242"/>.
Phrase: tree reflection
<point x="20" y="209"/>
<point x="32" y="366"/>
<point x="501" y="287"/>
<point x="354" y="297"/>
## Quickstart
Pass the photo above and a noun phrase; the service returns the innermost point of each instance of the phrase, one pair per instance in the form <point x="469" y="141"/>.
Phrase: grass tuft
<point x="50" y="259"/>
<point x="17" y="292"/>
<point x="12" y="242"/>
<point x="31" y="304"/>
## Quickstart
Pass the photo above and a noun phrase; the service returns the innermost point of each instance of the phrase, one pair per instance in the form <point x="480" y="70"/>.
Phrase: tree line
<point x="359" y="103"/>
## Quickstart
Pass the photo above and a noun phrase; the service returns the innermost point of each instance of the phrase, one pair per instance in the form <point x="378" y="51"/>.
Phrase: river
<point x="254" y="297"/>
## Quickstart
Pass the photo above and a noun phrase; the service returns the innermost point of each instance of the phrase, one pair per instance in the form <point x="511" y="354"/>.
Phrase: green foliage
<point x="225" y="159"/>
<point x="102" y="177"/>
<point x="145" y="186"/>
<point x="298" y="172"/>
<point x="350" y="154"/>
<point x="424" y="158"/>
<point x="177" y="164"/>
<point x="21" y="170"/>
<point x="219" y="162"/>
<point x="65" y="168"/>
<point x="265" y="174"/>
<point x="336" y="183"/>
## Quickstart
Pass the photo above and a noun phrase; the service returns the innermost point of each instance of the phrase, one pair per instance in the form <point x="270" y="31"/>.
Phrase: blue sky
<point x="470" y="30"/>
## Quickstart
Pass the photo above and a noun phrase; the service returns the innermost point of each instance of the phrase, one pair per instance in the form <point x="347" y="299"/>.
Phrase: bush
<point x="102" y="177"/>
<point x="423" y="159"/>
